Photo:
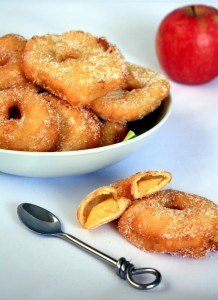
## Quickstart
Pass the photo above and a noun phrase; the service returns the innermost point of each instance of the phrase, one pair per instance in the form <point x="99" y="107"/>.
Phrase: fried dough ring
<point x="27" y="121"/>
<point x="108" y="203"/>
<point x="75" y="66"/>
<point x="143" y="93"/>
<point x="172" y="222"/>
<point x="80" y="128"/>
<point x="113" y="132"/>
<point x="11" y="49"/>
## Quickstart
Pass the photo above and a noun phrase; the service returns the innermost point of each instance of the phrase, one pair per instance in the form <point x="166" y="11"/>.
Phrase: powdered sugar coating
<point x="27" y="121"/>
<point x="80" y="128"/>
<point x="74" y="66"/>
<point x="11" y="49"/>
<point x="143" y="93"/>
<point x="172" y="222"/>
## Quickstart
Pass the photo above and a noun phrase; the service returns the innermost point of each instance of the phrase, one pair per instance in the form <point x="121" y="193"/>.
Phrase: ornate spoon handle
<point x="123" y="268"/>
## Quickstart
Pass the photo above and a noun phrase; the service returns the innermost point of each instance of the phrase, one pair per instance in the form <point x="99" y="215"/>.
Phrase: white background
<point x="34" y="267"/>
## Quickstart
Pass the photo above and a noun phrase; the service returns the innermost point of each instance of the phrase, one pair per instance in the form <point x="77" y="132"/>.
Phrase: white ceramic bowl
<point x="56" y="164"/>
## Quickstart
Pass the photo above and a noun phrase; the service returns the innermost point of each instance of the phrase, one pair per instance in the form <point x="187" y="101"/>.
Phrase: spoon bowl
<point x="39" y="219"/>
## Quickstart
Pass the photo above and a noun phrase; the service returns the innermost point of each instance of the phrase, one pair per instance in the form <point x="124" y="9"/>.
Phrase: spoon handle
<point x="88" y="248"/>
<point x="124" y="269"/>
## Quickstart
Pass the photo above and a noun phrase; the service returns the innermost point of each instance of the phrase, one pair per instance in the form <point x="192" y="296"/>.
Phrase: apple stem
<point x="193" y="11"/>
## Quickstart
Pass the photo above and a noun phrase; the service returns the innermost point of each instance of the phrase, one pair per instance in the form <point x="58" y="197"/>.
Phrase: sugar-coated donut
<point x="94" y="91"/>
<point x="75" y="66"/>
<point x="108" y="203"/>
<point x="27" y="121"/>
<point x="80" y="128"/>
<point x="11" y="49"/>
<point x="142" y="94"/>
<point x="172" y="222"/>
<point x="113" y="132"/>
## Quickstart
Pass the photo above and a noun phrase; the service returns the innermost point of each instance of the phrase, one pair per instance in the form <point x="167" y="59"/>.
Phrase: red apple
<point x="187" y="44"/>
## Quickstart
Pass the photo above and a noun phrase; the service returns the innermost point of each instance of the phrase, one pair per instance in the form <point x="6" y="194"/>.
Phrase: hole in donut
<point x="173" y="206"/>
<point x="14" y="112"/>
<point x="133" y="86"/>
<point x="133" y="83"/>
<point x="41" y="91"/>
<point x="69" y="53"/>
<point x="63" y="57"/>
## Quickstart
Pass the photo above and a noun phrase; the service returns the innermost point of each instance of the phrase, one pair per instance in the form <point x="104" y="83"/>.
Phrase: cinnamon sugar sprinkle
<point x="75" y="62"/>
<point x="174" y="222"/>
<point x="79" y="70"/>
<point x="36" y="128"/>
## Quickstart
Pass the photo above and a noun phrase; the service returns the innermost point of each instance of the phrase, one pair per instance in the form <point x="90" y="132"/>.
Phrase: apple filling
<point x="102" y="211"/>
<point x="150" y="184"/>
<point x="100" y="207"/>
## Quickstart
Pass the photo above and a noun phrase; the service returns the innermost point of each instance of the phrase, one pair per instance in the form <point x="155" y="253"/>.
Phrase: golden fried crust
<point x="80" y="128"/>
<point x="108" y="203"/>
<point x="11" y="49"/>
<point x="142" y="184"/>
<point x="75" y="66"/>
<point x="101" y="206"/>
<point x="142" y="94"/>
<point x="27" y="121"/>
<point x="172" y="222"/>
<point x="113" y="132"/>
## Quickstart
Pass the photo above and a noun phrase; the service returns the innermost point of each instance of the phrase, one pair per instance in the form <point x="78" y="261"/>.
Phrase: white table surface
<point x="34" y="267"/>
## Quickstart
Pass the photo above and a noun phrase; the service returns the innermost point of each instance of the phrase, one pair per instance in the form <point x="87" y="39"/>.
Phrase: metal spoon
<point x="44" y="222"/>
